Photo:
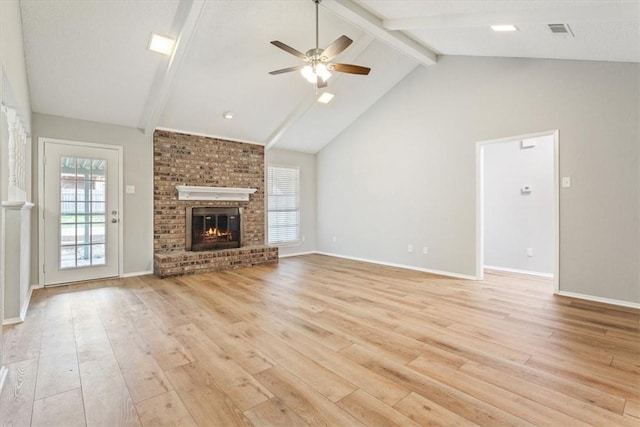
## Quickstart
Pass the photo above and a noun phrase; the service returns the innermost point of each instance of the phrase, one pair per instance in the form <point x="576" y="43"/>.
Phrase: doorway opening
<point x="517" y="205"/>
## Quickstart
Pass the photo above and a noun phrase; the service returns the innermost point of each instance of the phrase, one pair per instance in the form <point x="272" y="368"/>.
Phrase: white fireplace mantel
<point x="189" y="192"/>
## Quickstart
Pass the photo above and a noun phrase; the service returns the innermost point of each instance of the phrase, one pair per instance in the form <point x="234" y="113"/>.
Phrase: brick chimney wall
<point x="183" y="159"/>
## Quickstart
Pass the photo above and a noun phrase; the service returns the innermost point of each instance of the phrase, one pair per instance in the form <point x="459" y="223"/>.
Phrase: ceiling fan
<point x="317" y="68"/>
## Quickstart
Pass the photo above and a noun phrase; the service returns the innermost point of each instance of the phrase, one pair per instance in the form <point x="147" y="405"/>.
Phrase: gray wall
<point x="516" y="220"/>
<point x="138" y="171"/>
<point x="404" y="173"/>
<point x="307" y="164"/>
<point x="14" y="88"/>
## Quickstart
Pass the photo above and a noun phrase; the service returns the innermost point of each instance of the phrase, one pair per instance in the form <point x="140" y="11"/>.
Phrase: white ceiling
<point x="88" y="59"/>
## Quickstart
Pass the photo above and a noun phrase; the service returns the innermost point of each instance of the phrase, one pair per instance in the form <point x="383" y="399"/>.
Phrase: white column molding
<point x="17" y="154"/>
<point x="21" y="146"/>
<point x="12" y="122"/>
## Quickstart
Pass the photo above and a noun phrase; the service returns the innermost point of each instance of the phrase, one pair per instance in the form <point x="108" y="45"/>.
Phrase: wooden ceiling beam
<point x="368" y="22"/>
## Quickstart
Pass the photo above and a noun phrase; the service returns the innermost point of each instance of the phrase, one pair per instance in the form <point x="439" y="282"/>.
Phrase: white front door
<point x="81" y="212"/>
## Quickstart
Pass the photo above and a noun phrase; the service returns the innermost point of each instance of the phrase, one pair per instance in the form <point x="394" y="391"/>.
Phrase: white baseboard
<point x="297" y="254"/>
<point x="3" y="376"/>
<point x="23" y="310"/>
<point x="136" y="273"/>
<point x="600" y="299"/>
<point x="12" y="321"/>
<point x="515" y="270"/>
<point x="25" y="306"/>
<point x="407" y="267"/>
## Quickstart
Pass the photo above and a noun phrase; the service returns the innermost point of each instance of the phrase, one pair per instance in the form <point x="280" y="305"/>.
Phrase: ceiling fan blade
<point x="286" y="70"/>
<point x="336" y="48"/>
<point x="320" y="83"/>
<point x="349" y="68"/>
<point x="289" y="49"/>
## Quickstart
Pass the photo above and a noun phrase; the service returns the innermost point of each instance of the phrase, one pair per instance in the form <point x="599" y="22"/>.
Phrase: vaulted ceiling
<point x="89" y="59"/>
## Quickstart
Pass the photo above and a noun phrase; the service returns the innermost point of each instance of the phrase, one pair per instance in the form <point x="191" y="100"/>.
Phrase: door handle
<point x="114" y="220"/>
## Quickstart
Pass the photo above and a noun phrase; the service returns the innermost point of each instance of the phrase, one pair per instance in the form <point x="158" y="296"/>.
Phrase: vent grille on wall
<point x="560" y="29"/>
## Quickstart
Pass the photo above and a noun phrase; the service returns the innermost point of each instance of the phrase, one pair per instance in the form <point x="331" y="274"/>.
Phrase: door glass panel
<point x="97" y="254"/>
<point x="97" y="218"/>
<point x="82" y="222"/>
<point x="67" y="256"/>
<point x="83" y="254"/>
<point x="98" y="208"/>
<point x="98" y="191"/>
<point x="67" y="234"/>
<point x="97" y="232"/>
<point x="98" y="168"/>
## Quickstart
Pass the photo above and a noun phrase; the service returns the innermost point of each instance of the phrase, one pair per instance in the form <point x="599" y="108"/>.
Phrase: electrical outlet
<point x="304" y="237"/>
<point x="410" y="248"/>
<point x="425" y="250"/>
<point x="334" y="239"/>
<point x="529" y="252"/>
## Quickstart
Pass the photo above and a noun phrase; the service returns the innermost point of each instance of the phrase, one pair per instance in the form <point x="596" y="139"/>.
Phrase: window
<point x="283" y="204"/>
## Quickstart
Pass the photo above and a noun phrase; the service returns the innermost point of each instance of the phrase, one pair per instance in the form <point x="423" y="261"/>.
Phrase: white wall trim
<point x="136" y="273"/>
<point x="556" y="199"/>
<point x="25" y="306"/>
<point x="407" y="267"/>
<point x="3" y="376"/>
<point x="599" y="299"/>
<point x="298" y="254"/>
<point x="12" y="321"/>
<point x="515" y="270"/>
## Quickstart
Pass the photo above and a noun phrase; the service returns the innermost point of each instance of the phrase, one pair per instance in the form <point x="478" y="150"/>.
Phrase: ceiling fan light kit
<point x="312" y="74"/>
<point x="317" y="69"/>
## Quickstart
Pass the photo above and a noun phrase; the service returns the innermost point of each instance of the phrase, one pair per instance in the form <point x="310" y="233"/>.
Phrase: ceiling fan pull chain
<point x="317" y="2"/>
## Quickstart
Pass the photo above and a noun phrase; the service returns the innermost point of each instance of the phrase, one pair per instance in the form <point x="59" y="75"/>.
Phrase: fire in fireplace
<point x="211" y="228"/>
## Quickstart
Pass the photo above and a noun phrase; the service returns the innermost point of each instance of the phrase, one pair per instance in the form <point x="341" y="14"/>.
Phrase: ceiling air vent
<point x="560" y="29"/>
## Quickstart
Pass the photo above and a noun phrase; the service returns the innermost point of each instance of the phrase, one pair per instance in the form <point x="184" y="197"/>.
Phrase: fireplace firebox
<point x="210" y="228"/>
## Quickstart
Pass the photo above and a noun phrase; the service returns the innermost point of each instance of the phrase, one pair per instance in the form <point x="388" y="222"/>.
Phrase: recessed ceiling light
<point x="161" y="44"/>
<point x="504" y="28"/>
<point x="326" y="97"/>
<point x="228" y="115"/>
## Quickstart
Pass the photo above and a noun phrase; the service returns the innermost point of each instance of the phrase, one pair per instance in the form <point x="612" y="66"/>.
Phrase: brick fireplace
<point x="190" y="160"/>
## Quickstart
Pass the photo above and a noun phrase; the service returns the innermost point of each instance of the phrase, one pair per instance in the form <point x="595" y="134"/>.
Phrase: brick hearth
<point x="183" y="159"/>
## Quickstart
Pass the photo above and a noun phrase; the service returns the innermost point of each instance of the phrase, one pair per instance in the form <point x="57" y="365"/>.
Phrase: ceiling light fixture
<point x="161" y="44"/>
<point x="228" y="115"/>
<point x="504" y="28"/>
<point x="315" y="70"/>
<point x="326" y="97"/>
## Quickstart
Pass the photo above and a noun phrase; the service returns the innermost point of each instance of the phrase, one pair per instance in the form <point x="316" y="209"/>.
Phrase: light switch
<point x="130" y="189"/>
<point x="566" y="182"/>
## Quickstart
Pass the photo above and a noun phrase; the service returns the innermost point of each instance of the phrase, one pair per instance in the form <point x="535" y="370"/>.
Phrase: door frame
<point x="556" y="201"/>
<point x="119" y="149"/>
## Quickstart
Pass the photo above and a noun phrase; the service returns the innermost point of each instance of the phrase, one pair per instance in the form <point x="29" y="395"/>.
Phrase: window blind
<point x="283" y="204"/>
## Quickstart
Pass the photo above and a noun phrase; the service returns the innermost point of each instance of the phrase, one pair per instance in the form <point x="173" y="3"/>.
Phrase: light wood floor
<point x="320" y="341"/>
